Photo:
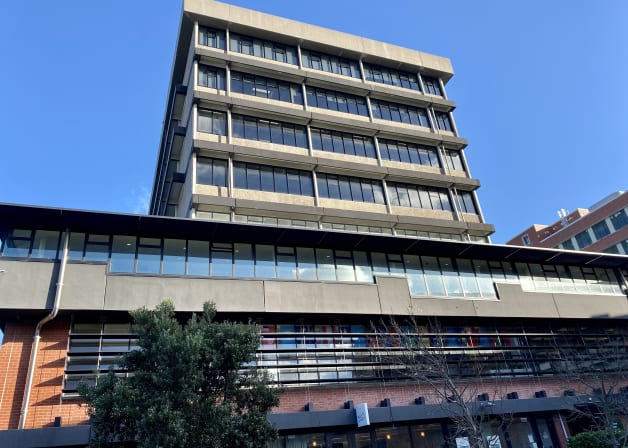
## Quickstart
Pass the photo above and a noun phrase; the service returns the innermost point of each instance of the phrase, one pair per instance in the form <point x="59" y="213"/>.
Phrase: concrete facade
<point x="178" y="155"/>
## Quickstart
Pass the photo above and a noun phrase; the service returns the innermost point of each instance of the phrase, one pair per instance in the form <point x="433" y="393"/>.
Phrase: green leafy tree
<point x="592" y="439"/>
<point x="190" y="387"/>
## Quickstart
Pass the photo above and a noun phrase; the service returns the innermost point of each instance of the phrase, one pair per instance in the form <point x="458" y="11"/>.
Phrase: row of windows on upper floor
<point x="221" y="214"/>
<point x="597" y="231"/>
<point x="281" y="133"/>
<point x="264" y="87"/>
<point x="253" y="176"/>
<point x="318" y="61"/>
<point x="621" y="248"/>
<point x="426" y="275"/>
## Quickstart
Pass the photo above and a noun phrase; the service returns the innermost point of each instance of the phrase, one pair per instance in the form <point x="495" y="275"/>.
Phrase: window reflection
<point x="426" y="275"/>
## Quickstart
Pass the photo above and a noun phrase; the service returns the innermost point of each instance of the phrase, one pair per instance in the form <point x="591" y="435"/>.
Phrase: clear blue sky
<point x="541" y="89"/>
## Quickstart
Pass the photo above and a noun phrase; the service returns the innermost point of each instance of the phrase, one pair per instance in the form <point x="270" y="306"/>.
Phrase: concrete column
<point x="304" y="93"/>
<point x="368" y="108"/>
<point x="228" y="79"/>
<point x="453" y="123"/>
<point x="362" y="75"/>
<point x="299" y="56"/>
<point x="442" y="87"/>
<point x="377" y="153"/>
<point x="195" y="74"/>
<point x="440" y="153"/>
<point x="192" y="171"/>
<point x="194" y="120"/>
<point x="420" y="79"/>
<point x="316" y="198"/>
<point x="310" y="148"/>
<point x="387" y="197"/>
<point x="229" y="126"/>
<point x="195" y="34"/>
<point x="230" y="176"/>
<point x="227" y="40"/>
<point x="464" y="163"/>
<point x="432" y="120"/>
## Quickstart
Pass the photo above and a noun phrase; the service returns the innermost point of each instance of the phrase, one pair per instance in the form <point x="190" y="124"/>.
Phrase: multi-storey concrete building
<point x="278" y="122"/>
<point x="313" y="182"/>
<point x="603" y="227"/>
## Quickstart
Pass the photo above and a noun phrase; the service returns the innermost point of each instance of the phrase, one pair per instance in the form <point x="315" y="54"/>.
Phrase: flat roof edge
<point x="313" y="33"/>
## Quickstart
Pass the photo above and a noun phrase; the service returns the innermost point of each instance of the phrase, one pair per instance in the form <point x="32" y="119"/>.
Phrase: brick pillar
<point x="14" y="357"/>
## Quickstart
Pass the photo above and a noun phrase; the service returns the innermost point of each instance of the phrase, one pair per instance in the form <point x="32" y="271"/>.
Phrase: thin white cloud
<point x="139" y="200"/>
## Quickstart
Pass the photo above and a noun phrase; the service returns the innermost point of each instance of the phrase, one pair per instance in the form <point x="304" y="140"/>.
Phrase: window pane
<point x="250" y="128"/>
<point x="174" y="257"/>
<point x="484" y="278"/>
<point x="467" y="277"/>
<point x="356" y="190"/>
<point x="416" y="280"/>
<point x="263" y="130"/>
<point x="198" y="257"/>
<point x="239" y="175"/>
<point x="264" y="261"/>
<point x="289" y="136"/>
<point x="307" y="188"/>
<point x="583" y="239"/>
<point x="122" y="254"/>
<point x="286" y="263"/>
<point x="367" y="191"/>
<point x="281" y="180"/>
<point x="294" y="186"/>
<point x="222" y="263"/>
<point x="325" y="261"/>
<point x="244" y="264"/>
<point x="450" y="276"/>
<point x="433" y="276"/>
<point x="97" y="248"/>
<point x="267" y="181"/>
<point x="45" y="244"/>
<point x="276" y="133"/>
<point x="148" y="256"/>
<point x="380" y="264"/>
<point x="220" y="172"/>
<point x="600" y="230"/>
<point x="619" y="219"/>
<point x="321" y="183"/>
<point x="345" y="188"/>
<point x="306" y="263"/>
<point x="378" y="193"/>
<point x="344" y="266"/>
<point x="333" y="186"/>
<point x="237" y="125"/>
<point x="300" y="137"/>
<point x="253" y="180"/>
<point x="75" y="249"/>
<point x="363" y="271"/>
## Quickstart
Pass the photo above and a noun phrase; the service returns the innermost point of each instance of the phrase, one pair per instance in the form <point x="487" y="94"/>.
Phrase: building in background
<point x="603" y="227"/>
<point x="313" y="182"/>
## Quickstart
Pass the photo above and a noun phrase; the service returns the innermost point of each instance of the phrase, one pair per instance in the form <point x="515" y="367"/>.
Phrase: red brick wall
<point x="14" y="357"/>
<point x="334" y="397"/>
<point x="45" y="400"/>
